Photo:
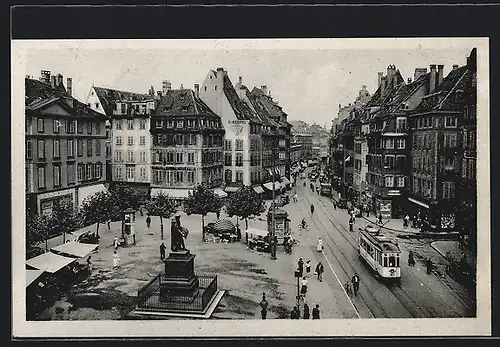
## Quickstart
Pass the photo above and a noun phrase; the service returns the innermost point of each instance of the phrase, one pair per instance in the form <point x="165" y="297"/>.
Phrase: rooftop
<point x="178" y="102"/>
<point x="109" y="98"/>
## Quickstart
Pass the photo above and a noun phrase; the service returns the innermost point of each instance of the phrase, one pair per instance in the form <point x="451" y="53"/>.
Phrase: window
<point x="190" y="123"/>
<point x="401" y="123"/>
<point x="41" y="149"/>
<point x="401" y="181"/>
<point x="389" y="161"/>
<point x="228" y="159"/>
<point x="130" y="124"/>
<point x="29" y="149"/>
<point x="180" y="124"/>
<point x="41" y="177"/>
<point x="130" y="156"/>
<point x="57" y="175"/>
<point x="450" y="122"/>
<point x="191" y="158"/>
<point x="89" y="148"/>
<point x="170" y="123"/>
<point x="57" y="149"/>
<point x="80" y="126"/>
<point x="118" y="140"/>
<point x="389" y="181"/>
<point x="118" y="155"/>
<point x="119" y="124"/>
<point x="97" y="147"/>
<point x="239" y="159"/>
<point x="389" y="143"/>
<point x="227" y="145"/>
<point x="228" y="176"/>
<point x="239" y="145"/>
<point x="119" y="173"/>
<point x="450" y="140"/>
<point x="40" y="125"/>
<point x="88" y="171"/>
<point x="79" y="172"/>
<point x="79" y="148"/>
<point x="70" y="126"/>
<point x="98" y="128"/>
<point x="142" y="156"/>
<point x="71" y="173"/>
<point x="190" y="177"/>
<point x="179" y="177"/>
<point x="239" y="176"/>
<point x="179" y="157"/>
<point x="130" y="173"/>
<point x="130" y="140"/>
<point x="143" y="174"/>
<point x="57" y="125"/>
<point x="142" y="140"/>
<point x="401" y="143"/>
<point x="142" y="124"/>
<point x="97" y="170"/>
<point x="448" y="190"/>
<point x="89" y="127"/>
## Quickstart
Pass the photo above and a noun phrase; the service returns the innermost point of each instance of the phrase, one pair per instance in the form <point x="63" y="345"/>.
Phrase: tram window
<point x="392" y="261"/>
<point x="385" y="260"/>
<point x="397" y="261"/>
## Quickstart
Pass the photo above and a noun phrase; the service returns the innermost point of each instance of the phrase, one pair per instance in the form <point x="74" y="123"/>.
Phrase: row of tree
<point x="103" y="207"/>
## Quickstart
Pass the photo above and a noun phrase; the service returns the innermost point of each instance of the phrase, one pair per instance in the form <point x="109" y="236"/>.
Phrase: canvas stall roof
<point x="258" y="232"/>
<point x="49" y="262"/>
<point x="32" y="275"/>
<point x="258" y="189"/>
<point x="173" y="193"/>
<point x="75" y="249"/>
<point x="220" y="193"/>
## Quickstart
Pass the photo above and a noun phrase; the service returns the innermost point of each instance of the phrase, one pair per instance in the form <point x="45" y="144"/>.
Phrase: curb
<point x="437" y="250"/>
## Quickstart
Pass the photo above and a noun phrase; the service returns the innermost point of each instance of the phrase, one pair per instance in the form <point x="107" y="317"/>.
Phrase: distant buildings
<point x="65" y="145"/>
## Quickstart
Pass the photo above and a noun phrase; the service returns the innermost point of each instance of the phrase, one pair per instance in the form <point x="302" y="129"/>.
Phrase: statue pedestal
<point x="179" y="284"/>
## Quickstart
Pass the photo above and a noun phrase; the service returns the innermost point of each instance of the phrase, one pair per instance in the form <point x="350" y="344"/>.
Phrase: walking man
<point x="263" y="305"/>
<point x="428" y="264"/>
<point x="218" y="214"/>
<point x="148" y="221"/>
<point x="320" y="247"/>
<point x="315" y="312"/>
<point x="319" y="271"/>
<point x="351" y="224"/>
<point x="116" y="260"/>
<point x="115" y="242"/>
<point x="306" y="311"/>
<point x="308" y="268"/>
<point x="162" y="251"/>
<point x="355" y="283"/>
<point x="300" y="265"/>
<point x="303" y="289"/>
<point x="312" y="209"/>
<point x="380" y="218"/>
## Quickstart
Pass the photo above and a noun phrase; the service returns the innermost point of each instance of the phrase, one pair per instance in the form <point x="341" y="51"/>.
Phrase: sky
<point x="308" y="83"/>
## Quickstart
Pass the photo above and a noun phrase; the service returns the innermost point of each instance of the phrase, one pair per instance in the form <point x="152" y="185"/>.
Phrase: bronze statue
<point x="178" y="234"/>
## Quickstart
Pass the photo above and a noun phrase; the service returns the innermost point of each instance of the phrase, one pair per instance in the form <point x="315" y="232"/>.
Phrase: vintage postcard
<point x="220" y="183"/>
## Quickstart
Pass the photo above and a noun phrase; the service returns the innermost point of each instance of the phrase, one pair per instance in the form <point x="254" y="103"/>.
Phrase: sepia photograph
<point x="220" y="183"/>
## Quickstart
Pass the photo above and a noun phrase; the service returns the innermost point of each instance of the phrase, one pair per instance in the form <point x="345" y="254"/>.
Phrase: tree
<point x="122" y="198"/>
<point x="202" y="201"/>
<point x="64" y="219"/>
<point x="162" y="206"/>
<point x="245" y="203"/>
<point x="37" y="229"/>
<point x="96" y="209"/>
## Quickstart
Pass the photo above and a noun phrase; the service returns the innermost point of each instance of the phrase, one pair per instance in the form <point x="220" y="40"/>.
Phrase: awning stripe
<point x="418" y="202"/>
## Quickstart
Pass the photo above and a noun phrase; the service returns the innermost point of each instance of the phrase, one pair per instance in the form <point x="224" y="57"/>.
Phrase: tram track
<point x="413" y="307"/>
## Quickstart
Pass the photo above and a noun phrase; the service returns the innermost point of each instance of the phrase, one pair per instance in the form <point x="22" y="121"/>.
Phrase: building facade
<point x="129" y="116"/>
<point x="187" y="145"/>
<point x="65" y="145"/>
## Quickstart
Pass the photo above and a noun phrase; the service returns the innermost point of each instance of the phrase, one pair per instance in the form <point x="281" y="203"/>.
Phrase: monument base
<point x="179" y="283"/>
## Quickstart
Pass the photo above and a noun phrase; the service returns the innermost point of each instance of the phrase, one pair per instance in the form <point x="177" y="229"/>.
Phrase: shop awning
<point x="285" y="182"/>
<point x="32" y="275"/>
<point x="418" y="202"/>
<point x="49" y="262"/>
<point x="75" y="249"/>
<point x="220" y="193"/>
<point x="258" y="232"/>
<point x="258" y="189"/>
<point x="86" y="191"/>
<point x="232" y="189"/>
<point x="173" y="193"/>
<point x="269" y="186"/>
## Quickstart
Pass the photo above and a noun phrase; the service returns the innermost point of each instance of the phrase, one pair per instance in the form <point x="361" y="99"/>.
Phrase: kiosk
<point x="281" y="221"/>
<point x="128" y="226"/>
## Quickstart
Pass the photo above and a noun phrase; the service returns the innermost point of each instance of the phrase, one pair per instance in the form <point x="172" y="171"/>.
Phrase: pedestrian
<point x="115" y="242"/>
<point x="405" y="221"/>
<point x="141" y="211"/>
<point x="380" y="218"/>
<point x="334" y="204"/>
<point x="238" y="232"/>
<point x="300" y="266"/>
<point x="263" y="305"/>
<point x="355" y="283"/>
<point x="162" y="251"/>
<point x="308" y="267"/>
<point x="116" y="259"/>
<point x="306" y="311"/>
<point x="319" y="271"/>
<point x="109" y="224"/>
<point x="351" y="224"/>
<point x="89" y="263"/>
<point x="303" y="288"/>
<point x="295" y="314"/>
<point x="148" y="220"/>
<point x="295" y="197"/>
<point x="320" y="246"/>
<point x="218" y="214"/>
<point x="315" y="312"/>
<point x="312" y="209"/>
<point x="411" y="260"/>
<point x="367" y="212"/>
<point x="428" y="264"/>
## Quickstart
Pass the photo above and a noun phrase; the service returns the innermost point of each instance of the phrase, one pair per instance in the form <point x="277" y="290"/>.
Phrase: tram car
<point x="380" y="253"/>
<point x="325" y="189"/>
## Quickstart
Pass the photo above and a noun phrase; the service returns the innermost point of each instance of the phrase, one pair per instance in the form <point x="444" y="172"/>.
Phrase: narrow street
<point x="420" y="295"/>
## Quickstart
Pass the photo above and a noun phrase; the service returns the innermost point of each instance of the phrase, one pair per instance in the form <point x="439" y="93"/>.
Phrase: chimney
<point x="240" y="81"/>
<point x="440" y="75"/>
<point x="69" y="86"/>
<point x="197" y="90"/>
<point x="455" y="66"/>
<point x="432" y="79"/>
<point x="220" y="73"/>
<point x="45" y="76"/>
<point x="59" y="80"/>
<point x="166" y="86"/>
<point x="419" y="72"/>
<point x="53" y="81"/>
<point x="383" y="86"/>
<point x="409" y="80"/>
<point x="379" y="79"/>
<point x="264" y="89"/>
<point x="158" y="94"/>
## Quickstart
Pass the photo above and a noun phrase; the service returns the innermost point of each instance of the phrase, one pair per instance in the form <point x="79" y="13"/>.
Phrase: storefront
<point x="441" y="216"/>
<point x="47" y="201"/>
<point x="86" y="191"/>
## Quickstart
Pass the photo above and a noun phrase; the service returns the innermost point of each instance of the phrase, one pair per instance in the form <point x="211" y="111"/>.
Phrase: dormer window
<point x="170" y="123"/>
<point x="159" y="124"/>
<point x="180" y="124"/>
<point x="190" y="123"/>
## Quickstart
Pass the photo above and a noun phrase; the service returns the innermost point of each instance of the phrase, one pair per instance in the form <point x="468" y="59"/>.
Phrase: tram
<point x="325" y="189"/>
<point x="382" y="254"/>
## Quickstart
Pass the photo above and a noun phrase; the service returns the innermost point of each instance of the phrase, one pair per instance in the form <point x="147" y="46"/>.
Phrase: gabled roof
<point x="178" y="102"/>
<point x="39" y="94"/>
<point x="441" y="98"/>
<point x="377" y="98"/>
<point x="240" y="108"/>
<point x="267" y="107"/>
<point x="109" y="98"/>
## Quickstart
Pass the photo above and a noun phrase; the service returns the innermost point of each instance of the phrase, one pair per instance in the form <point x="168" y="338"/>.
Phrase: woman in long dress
<point x="116" y="260"/>
<point x="320" y="245"/>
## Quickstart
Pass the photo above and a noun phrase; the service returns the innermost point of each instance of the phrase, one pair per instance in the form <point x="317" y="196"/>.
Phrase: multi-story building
<point x="295" y="149"/>
<point x="187" y="138"/>
<point x="129" y="117"/>
<point x="300" y="134"/>
<point x="241" y="124"/>
<point x="65" y="145"/>
<point x="437" y="153"/>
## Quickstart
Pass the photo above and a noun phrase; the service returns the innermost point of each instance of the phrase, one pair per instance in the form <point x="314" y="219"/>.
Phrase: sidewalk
<point x="443" y="247"/>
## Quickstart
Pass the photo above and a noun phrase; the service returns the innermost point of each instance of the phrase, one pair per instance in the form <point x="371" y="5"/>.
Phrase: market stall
<point x="75" y="249"/>
<point x="258" y="239"/>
